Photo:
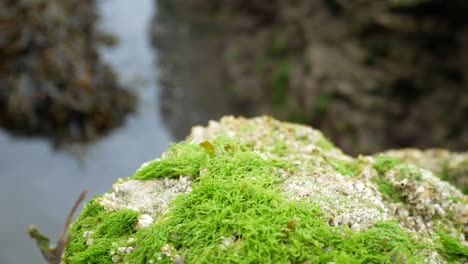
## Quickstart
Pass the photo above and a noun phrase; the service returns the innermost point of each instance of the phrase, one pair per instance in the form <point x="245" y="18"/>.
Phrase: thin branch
<point x="78" y="201"/>
<point x="53" y="255"/>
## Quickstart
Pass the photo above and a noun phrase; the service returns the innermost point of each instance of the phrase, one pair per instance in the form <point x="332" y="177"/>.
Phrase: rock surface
<point x="353" y="69"/>
<point x="52" y="80"/>
<point x="259" y="190"/>
<point x="449" y="166"/>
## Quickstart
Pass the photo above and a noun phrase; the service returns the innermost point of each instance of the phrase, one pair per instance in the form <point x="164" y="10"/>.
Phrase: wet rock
<point x="449" y="166"/>
<point x="259" y="190"/>
<point x="52" y="81"/>
<point x="354" y="69"/>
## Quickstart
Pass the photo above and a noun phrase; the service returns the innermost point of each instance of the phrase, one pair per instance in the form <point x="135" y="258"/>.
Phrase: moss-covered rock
<point x="449" y="166"/>
<point x="263" y="191"/>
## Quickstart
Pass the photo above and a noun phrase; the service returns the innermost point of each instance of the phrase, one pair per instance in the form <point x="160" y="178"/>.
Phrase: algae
<point x="181" y="159"/>
<point x="96" y="231"/>
<point x="384" y="163"/>
<point x="325" y="144"/>
<point x="388" y="190"/>
<point x="237" y="210"/>
<point x="346" y="168"/>
<point x="452" y="248"/>
<point x="227" y="203"/>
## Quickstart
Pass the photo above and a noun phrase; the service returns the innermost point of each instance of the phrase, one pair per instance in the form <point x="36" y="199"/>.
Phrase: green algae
<point x="452" y="249"/>
<point x="263" y="228"/>
<point x="237" y="214"/>
<point x="346" y="168"/>
<point x="448" y="166"/>
<point x="280" y="148"/>
<point x="410" y="172"/>
<point x="189" y="159"/>
<point x="325" y="144"/>
<point x="181" y="159"/>
<point x="209" y="148"/>
<point x="106" y="228"/>
<point x="388" y="191"/>
<point x="384" y="163"/>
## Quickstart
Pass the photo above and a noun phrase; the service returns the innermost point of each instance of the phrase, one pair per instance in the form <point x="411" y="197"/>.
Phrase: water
<point x="39" y="185"/>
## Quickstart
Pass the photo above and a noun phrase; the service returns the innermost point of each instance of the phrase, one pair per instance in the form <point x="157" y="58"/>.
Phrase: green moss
<point x="452" y="249"/>
<point x="181" y="159"/>
<point x="384" y="163"/>
<point x="260" y="226"/>
<point x="410" y="173"/>
<point x="280" y="148"/>
<point x="325" y="144"/>
<point x="388" y="191"/>
<point x="235" y="213"/>
<point x="106" y="227"/>
<point x="188" y="159"/>
<point x="347" y="168"/>
<point x="454" y="199"/>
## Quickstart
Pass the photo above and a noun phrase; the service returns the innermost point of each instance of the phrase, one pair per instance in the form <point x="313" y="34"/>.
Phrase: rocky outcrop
<point x="52" y="81"/>
<point x="353" y="69"/>
<point x="449" y="166"/>
<point x="259" y="190"/>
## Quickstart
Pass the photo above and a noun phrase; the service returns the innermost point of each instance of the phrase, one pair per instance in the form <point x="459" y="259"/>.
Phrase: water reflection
<point x="39" y="185"/>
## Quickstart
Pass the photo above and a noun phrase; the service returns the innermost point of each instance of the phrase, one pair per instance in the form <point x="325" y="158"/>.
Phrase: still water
<point x="39" y="185"/>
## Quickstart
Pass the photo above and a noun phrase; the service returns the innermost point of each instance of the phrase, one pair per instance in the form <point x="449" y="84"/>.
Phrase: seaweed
<point x="236" y="213"/>
<point x="96" y="231"/>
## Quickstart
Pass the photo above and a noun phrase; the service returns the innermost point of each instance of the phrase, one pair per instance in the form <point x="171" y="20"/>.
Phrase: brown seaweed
<point x="52" y="81"/>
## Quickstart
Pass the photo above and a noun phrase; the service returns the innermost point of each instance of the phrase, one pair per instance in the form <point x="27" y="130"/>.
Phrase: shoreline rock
<point x="261" y="190"/>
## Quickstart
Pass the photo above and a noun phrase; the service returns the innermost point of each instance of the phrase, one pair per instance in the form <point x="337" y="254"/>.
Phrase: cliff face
<point x="260" y="190"/>
<point x="353" y="69"/>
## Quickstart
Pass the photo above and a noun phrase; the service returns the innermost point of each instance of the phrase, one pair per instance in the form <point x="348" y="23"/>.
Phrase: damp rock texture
<point x="353" y="69"/>
<point x="52" y="81"/>
<point x="449" y="166"/>
<point x="263" y="191"/>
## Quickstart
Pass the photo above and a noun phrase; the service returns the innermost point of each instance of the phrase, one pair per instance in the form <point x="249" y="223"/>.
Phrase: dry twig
<point x="53" y="254"/>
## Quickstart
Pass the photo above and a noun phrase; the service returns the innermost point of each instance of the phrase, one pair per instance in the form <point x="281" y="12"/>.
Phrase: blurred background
<point x="90" y="89"/>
